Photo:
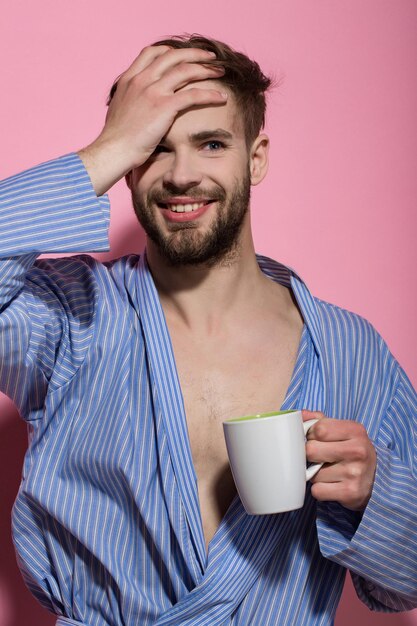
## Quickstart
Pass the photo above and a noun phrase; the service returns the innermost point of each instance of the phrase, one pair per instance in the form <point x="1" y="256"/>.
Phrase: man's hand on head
<point x="349" y="458"/>
<point x="148" y="97"/>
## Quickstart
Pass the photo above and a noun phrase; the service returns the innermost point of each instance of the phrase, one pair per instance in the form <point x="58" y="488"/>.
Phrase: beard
<point x="184" y="243"/>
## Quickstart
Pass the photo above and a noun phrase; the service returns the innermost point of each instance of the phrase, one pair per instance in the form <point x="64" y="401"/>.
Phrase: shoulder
<point x="357" y="357"/>
<point x="335" y="328"/>
<point x="346" y="323"/>
<point x="350" y="333"/>
<point x="359" y="374"/>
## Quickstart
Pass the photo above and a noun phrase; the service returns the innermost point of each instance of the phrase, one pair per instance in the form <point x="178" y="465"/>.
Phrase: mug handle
<point x="312" y="469"/>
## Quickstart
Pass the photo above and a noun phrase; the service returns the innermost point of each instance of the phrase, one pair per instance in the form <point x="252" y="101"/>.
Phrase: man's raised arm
<point x="53" y="208"/>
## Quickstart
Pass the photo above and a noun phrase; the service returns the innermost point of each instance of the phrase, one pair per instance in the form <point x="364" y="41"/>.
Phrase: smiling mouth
<point x="188" y="207"/>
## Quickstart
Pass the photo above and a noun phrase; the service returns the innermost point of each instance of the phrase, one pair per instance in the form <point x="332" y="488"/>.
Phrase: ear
<point x="258" y="159"/>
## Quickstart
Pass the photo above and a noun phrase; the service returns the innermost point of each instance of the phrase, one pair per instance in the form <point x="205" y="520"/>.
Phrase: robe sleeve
<point x="379" y="545"/>
<point x="47" y="209"/>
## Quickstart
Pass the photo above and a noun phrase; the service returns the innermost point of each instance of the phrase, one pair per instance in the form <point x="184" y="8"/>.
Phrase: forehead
<point x="202" y="118"/>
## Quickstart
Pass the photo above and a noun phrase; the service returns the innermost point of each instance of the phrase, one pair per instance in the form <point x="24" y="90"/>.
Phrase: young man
<point x="127" y="512"/>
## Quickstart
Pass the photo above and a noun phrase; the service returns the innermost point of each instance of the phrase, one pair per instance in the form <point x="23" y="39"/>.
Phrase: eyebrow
<point x="204" y="135"/>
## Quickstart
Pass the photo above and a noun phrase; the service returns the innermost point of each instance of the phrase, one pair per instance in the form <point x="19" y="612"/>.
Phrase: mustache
<point x="161" y="196"/>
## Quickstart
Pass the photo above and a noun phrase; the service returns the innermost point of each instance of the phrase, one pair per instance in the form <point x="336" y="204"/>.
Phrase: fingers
<point x="158" y="60"/>
<point x="351" y="450"/>
<point x="338" y="472"/>
<point x="350" y="485"/>
<point x="181" y="75"/>
<point x="336" y="441"/>
<point x="145" y="58"/>
<point x="329" y="429"/>
<point x="172" y="58"/>
<point x="345" y="493"/>
<point x="199" y="97"/>
<point x="159" y="73"/>
<point x="311" y="415"/>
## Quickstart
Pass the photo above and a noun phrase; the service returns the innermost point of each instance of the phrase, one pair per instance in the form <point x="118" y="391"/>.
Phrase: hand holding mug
<point x="349" y="458"/>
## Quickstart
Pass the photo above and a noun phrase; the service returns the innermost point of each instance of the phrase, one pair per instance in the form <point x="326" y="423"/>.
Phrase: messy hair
<point x="242" y="76"/>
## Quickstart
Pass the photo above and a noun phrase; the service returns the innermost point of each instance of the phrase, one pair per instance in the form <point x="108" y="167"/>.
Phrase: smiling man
<point x="127" y="512"/>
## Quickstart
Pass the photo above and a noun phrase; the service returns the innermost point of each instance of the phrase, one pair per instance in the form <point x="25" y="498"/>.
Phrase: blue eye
<point x="214" y="145"/>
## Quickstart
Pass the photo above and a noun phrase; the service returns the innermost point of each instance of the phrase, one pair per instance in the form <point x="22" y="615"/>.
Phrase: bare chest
<point x="220" y="380"/>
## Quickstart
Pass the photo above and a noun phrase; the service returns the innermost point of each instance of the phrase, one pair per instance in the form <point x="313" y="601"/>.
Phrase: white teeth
<point x="186" y="208"/>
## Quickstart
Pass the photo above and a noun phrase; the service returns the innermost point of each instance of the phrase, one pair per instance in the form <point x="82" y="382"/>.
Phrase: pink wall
<point x="339" y="202"/>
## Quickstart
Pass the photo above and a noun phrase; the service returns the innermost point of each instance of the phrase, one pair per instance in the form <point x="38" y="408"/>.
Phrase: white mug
<point x="268" y="460"/>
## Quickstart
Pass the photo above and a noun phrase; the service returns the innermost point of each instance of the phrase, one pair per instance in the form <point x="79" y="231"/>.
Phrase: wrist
<point x="106" y="163"/>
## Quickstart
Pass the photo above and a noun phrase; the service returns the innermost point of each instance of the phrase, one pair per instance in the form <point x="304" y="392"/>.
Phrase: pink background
<point x="338" y="204"/>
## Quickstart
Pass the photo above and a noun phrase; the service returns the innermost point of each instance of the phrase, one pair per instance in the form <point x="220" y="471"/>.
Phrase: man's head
<point x="243" y="77"/>
<point x="192" y="194"/>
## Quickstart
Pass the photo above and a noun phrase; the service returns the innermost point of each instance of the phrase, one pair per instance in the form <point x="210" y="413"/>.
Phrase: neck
<point x="204" y="296"/>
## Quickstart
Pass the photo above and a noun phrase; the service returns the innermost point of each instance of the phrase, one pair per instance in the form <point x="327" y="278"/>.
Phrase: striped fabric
<point x="107" y="523"/>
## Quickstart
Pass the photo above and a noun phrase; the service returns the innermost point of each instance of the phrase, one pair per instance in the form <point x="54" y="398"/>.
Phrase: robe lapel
<point x="312" y="320"/>
<point x="167" y="395"/>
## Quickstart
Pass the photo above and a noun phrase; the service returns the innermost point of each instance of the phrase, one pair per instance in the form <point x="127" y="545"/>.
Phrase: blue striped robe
<point x="107" y="524"/>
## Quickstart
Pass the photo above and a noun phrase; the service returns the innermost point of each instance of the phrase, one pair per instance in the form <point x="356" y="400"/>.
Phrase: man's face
<point x="192" y="195"/>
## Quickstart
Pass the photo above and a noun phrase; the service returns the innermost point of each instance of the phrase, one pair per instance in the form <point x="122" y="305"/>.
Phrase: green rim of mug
<point x="246" y="418"/>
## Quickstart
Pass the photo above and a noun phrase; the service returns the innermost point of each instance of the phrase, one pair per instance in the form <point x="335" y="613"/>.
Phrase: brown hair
<point x="242" y="76"/>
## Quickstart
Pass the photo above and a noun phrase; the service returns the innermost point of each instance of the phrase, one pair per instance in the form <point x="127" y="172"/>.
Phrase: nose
<point x="182" y="172"/>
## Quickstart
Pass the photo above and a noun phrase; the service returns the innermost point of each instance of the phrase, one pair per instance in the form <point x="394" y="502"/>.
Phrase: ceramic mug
<point x="268" y="460"/>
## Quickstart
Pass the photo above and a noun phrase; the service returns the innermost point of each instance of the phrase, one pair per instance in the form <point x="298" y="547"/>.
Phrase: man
<point x="127" y="512"/>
